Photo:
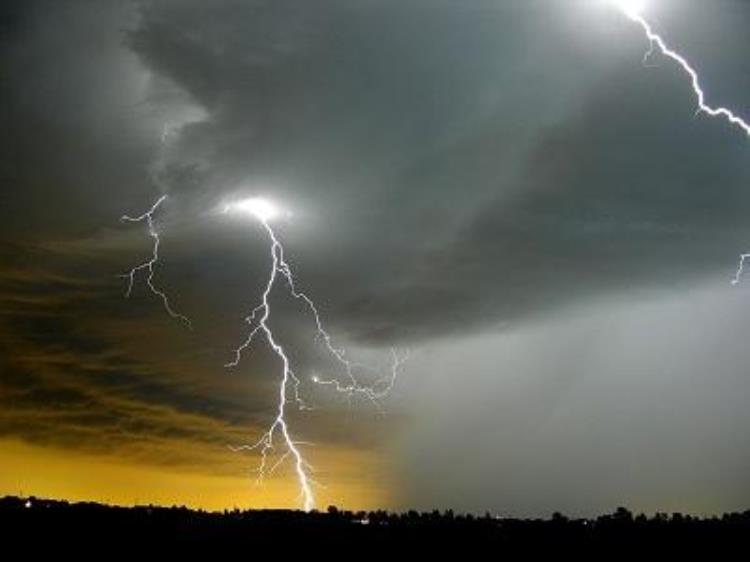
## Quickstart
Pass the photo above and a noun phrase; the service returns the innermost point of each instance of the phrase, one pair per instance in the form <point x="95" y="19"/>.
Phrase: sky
<point x="501" y="187"/>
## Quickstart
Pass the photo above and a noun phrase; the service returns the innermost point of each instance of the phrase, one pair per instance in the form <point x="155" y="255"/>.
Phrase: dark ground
<point x="84" y="529"/>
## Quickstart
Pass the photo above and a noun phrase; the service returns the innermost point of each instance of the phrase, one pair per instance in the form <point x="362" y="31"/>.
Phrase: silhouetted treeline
<point x="81" y="528"/>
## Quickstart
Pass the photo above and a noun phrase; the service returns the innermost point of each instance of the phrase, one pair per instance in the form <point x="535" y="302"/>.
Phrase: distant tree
<point x="623" y="514"/>
<point x="558" y="517"/>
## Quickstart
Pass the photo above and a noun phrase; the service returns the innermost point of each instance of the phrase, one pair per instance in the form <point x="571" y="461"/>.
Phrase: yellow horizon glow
<point x="32" y="470"/>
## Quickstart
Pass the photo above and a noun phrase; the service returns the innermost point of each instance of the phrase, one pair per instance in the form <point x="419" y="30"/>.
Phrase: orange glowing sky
<point x="57" y="473"/>
<point x="107" y="399"/>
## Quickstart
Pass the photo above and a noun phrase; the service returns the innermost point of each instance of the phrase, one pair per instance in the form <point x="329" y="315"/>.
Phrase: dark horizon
<point x="86" y="527"/>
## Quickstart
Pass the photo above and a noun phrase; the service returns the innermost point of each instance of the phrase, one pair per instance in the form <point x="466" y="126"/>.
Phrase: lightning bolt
<point x="633" y="13"/>
<point x="258" y="320"/>
<point x="148" y="265"/>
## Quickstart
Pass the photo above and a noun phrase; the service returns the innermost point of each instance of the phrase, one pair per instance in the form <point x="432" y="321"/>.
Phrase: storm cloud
<point x="445" y="191"/>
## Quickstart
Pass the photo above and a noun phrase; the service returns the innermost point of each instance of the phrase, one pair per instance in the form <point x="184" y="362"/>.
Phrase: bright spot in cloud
<point x="632" y="8"/>
<point x="260" y="208"/>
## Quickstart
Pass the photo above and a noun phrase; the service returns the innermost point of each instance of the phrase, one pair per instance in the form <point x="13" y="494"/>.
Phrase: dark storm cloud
<point x="450" y="194"/>
<point x="69" y="108"/>
<point x="619" y="194"/>
<point x="54" y="404"/>
<point x="64" y="384"/>
<point x="436" y="185"/>
<point x="75" y="378"/>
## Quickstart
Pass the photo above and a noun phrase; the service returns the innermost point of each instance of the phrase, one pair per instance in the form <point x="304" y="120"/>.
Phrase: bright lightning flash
<point x="148" y="265"/>
<point x="264" y="211"/>
<point x="633" y="10"/>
